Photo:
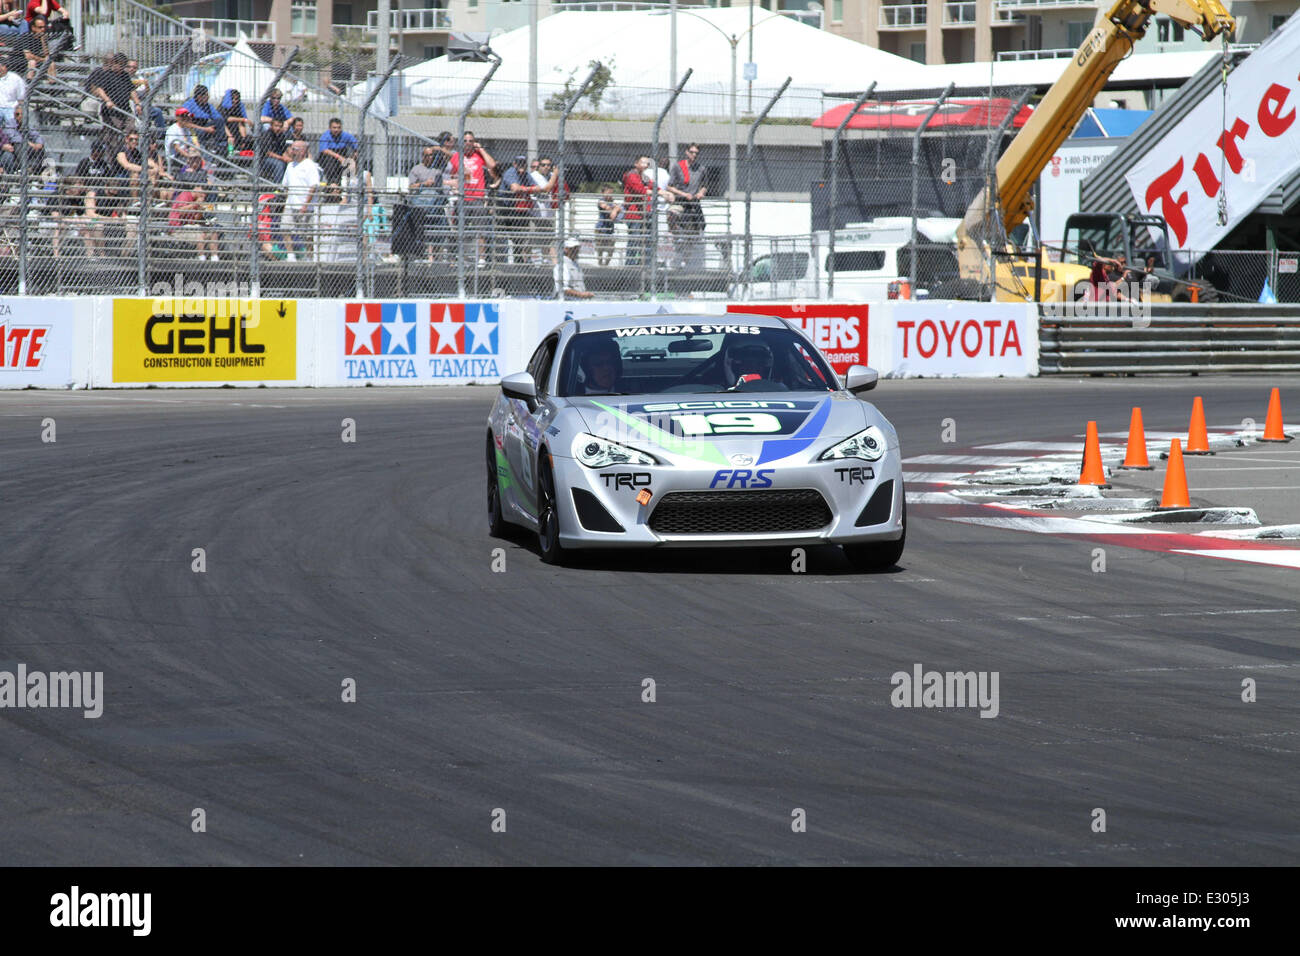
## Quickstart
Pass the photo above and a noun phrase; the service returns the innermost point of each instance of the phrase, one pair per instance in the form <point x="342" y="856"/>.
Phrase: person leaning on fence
<point x="568" y="274"/>
<point x="275" y="151"/>
<point x="608" y="212"/>
<point x="638" y="199"/>
<point x="687" y="188"/>
<point x="274" y="109"/>
<point x="546" y="185"/>
<point x="476" y="162"/>
<point x="428" y="200"/>
<point x="336" y="240"/>
<point x="270" y="205"/>
<point x="302" y="181"/>
<point x="516" y="198"/>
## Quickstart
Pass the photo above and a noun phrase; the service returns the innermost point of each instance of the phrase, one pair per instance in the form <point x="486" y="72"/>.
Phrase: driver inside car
<point x="746" y="362"/>
<point x="602" y="366"/>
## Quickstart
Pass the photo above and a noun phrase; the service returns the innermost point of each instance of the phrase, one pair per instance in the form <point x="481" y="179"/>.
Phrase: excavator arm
<point x="1110" y="41"/>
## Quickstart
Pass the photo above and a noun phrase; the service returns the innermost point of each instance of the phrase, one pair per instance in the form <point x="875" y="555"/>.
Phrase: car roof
<point x="608" y="323"/>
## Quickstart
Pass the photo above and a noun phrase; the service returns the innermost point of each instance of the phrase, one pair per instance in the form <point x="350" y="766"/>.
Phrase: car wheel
<point x="496" y="523"/>
<point x="548" y="519"/>
<point x="878" y="556"/>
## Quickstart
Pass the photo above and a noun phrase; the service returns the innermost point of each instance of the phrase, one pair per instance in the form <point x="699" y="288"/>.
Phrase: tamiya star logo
<point x="380" y="328"/>
<point x="468" y="328"/>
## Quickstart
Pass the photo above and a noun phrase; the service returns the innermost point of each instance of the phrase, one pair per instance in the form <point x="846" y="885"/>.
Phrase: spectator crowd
<point x="311" y="184"/>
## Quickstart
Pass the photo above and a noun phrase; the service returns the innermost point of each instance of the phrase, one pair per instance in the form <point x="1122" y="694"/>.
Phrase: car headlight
<point x="601" y="453"/>
<point x="868" y="444"/>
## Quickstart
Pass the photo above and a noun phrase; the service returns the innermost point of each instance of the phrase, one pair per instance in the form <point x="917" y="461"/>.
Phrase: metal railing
<point x="423" y="20"/>
<point x="1040" y="5"/>
<point x="1051" y="54"/>
<point x="903" y="16"/>
<point x="959" y="13"/>
<point x="1170" y="339"/>
<point x="257" y="30"/>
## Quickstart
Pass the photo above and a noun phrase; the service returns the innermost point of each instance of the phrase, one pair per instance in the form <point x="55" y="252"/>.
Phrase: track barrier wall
<point x="197" y="341"/>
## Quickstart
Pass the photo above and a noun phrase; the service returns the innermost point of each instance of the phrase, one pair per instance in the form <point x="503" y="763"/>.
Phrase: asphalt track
<point x="522" y="690"/>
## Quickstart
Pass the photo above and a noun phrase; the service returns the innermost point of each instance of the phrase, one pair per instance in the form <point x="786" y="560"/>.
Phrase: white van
<point x="870" y="258"/>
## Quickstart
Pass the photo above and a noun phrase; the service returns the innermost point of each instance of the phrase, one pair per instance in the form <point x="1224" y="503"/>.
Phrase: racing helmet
<point x="600" y="349"/>
<point x="747" y="355"/>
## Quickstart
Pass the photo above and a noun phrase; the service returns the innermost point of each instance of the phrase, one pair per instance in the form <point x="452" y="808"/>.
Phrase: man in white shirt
<point x="568" y="274"/>
<point x="301" y="181"/>
<point x="12" y="89"/>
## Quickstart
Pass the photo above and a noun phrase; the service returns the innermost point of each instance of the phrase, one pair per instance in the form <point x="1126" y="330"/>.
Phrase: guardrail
<point x="1168" y="339"/>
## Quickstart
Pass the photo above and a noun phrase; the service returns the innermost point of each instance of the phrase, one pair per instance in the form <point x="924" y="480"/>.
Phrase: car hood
<point x="689" y="429"/>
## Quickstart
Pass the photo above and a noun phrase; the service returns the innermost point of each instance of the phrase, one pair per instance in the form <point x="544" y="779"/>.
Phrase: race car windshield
<point x="699" y="358"/>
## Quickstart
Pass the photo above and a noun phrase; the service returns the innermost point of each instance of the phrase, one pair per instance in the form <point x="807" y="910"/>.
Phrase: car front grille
<point x="740" y="512"/>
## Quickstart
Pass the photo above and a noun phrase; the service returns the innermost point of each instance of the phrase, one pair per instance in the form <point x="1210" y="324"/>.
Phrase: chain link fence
<point x="782" y="183"/>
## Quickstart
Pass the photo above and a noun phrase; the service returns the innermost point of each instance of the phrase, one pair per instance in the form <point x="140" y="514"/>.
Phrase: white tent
<point x="635" y="47"/>
<point x="243" y="70"/>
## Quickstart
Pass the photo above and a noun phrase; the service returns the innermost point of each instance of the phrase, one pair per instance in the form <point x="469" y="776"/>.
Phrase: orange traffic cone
<point x="1175" y="491"/>
<point x="1135" y="456"/>
<point x="1198" y="442"/>
<point x="1093" y="473"/>
<point x="1273" y="426"/>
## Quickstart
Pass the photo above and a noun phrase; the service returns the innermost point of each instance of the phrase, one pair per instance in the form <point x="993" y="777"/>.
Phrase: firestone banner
<point x="1258" y="147"/>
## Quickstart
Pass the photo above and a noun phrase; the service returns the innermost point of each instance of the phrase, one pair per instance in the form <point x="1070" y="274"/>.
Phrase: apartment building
<point x="966" y="31"/>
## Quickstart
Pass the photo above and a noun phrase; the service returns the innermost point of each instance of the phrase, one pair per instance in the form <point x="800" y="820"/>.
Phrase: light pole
<point x="734" y="40"/>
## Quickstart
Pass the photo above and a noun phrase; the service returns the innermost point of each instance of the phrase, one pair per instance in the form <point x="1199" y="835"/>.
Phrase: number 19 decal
<point x="729" y="423"/>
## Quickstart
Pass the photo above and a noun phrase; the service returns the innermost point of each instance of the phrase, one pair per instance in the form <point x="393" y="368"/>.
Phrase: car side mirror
<point x="860" y="378"/>
<point x="520" y="386"/>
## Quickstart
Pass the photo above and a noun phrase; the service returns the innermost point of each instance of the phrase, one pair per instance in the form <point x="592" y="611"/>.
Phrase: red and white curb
<point x="993" y="486"/>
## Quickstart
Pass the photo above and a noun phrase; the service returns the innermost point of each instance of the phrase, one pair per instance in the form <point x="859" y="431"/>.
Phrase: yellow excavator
<point x="984" y="228"/>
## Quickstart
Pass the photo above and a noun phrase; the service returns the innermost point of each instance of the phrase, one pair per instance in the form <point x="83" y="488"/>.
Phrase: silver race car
<point x="692" y="431"/>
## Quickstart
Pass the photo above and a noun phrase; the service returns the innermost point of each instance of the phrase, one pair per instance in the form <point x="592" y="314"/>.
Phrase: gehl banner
<point x="204" y="339"/>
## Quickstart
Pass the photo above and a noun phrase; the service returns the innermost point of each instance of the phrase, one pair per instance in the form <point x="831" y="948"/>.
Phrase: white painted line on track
<point x="1276" y="557"/>
<point x="935" y="477"/>
<point x="963" y="460"/>
<point x="1054" y="525"/>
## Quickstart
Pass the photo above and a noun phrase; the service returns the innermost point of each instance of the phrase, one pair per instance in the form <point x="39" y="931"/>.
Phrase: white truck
<point x="872" y="262"/>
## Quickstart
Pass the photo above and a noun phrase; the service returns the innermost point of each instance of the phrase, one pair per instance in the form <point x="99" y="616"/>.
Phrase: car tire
<point x="496" y="522"/>
<point x="880" y="556"/>
<point x="548" y="518"/>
